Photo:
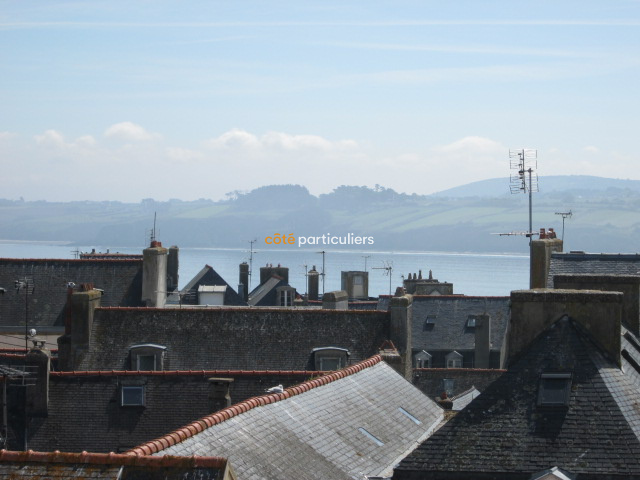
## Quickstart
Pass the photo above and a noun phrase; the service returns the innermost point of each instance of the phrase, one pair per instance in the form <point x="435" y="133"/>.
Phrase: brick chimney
<point x="313" y="278"/>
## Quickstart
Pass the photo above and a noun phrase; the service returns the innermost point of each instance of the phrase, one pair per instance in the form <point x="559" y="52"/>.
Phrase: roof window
<point x="132" y="396"/>
<point x="409" y="416"/>
<point x="375" y="439"/>
<point x="554" y="389"/>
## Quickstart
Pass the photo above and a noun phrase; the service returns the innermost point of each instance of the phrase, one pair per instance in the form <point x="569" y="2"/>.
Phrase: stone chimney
<point x="483" y="341"/>
<point x="74" y="343"/>
<point x="219" y="393"/>
<point x="598" y="313"/>
<point x="154" y="275"/>
<point x="400" y="313"/>
<point x="38" y="362"/>
<point x="337" y="300"/>
<point x="540" y="257"/>
<point x="313" y="278"/>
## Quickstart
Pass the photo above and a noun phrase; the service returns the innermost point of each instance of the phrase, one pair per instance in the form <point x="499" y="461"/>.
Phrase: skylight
<point x="375" y="439"/>
<point x="409" y="416"/>
<point x="554" y="389"/>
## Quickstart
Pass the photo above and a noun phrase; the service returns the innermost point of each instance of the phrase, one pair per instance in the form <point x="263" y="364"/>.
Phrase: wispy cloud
<point x="346" y="24"/>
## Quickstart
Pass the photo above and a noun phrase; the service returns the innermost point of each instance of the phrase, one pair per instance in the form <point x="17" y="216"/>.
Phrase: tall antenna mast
<point x="564" y="215"/>
<point x="525" y="162"/>
<point x="153" y="232"/>
<point x="323" y="273"/>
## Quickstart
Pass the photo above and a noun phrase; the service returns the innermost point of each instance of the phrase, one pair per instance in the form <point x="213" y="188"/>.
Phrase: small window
<point x="330" y="363"/>
<point x="554" y="389"/>
<point x="375" y="439"/>
<point x="132" y="395"/>
<point x="431" y="320"/>
<point x="471" y="321"/>
<point x="330" y="358"/>
<point x="146" y="362"/>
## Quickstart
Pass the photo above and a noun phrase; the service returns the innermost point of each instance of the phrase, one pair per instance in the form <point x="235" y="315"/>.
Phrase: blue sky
<point x="129" y="100"/>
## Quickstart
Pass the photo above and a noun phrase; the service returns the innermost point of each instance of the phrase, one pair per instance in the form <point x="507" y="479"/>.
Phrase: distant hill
<point x="584" y="184"/>
<point x="463" y="219"/>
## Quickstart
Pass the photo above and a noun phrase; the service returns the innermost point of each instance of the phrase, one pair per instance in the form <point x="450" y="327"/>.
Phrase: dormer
<point x="330" y="358"/>
<point x="147" y="357"/>
<point x="422" y="359"/>
<point x="454" y="360"/>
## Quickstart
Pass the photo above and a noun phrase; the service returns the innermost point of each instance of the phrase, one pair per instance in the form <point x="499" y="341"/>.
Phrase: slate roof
<point x="85" y="411"/>
<point x="112" y="467"/>
<point x="232" y="338"/>
<point x="450" y="315"/>
<point x="314" y="430"/>
<point x="121" y="281"/>
<point x="206" y="276"/>
<point x="431" y="380"/>
<point x="572" y="263"/>
<point x="504" y="434"/>
<point x="265" y="294"/>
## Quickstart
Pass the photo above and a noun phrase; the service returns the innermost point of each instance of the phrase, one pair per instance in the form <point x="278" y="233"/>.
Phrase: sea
<point x="483" y="274"/>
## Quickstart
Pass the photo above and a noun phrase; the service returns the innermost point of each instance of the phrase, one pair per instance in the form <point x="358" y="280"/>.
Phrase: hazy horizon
<point x="195" y="100"/>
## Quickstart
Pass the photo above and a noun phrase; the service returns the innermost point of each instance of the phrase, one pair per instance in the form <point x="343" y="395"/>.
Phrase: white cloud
<point x="50" y="138"/>
<point x="129" y="131"/>
<point x="591" y="149"/>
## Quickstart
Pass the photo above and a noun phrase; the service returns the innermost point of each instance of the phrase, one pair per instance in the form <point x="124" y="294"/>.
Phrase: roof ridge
<point x="181" y="434"/>
<point x="162" y="373"/>
<point x="112" y="459"/>
<point x="72" y="260"/>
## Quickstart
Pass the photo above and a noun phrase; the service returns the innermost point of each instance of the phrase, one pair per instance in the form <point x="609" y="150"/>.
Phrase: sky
<point x="125" y="100"/>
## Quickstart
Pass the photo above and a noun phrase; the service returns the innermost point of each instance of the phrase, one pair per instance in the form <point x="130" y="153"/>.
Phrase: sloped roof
<point x="264" y="294"/>
<point x="572" y="263"/>
<point x="314" y="430"/>
<point x="121" y="281"/>
<point x="504" y="434"/>
<point x="109" y="466"/>
<point x="206" y="276"/>
<point x="232" y="338"/>
<point x="449" y="315"/>
<point x="84" y="411"/>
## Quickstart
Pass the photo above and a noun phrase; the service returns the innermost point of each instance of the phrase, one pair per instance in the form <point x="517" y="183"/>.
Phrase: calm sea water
<point x="471" y="274"/>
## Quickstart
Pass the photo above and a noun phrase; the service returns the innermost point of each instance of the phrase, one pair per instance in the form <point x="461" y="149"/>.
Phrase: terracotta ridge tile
<point x="159" y="444"/>
<point x="112" y="458"/>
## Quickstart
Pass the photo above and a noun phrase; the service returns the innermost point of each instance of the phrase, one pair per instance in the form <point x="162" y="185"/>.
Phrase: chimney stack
<point x="172" y="268"/>
<point x="483" y="341"/>
<point x="39" y="359"/>
<point x="243" y="286"/>
<point x="154" y="275"/>
<point x="313" y="280"/>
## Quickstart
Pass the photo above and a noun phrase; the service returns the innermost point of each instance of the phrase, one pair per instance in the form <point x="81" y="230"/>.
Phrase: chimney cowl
<point x="155" y="243"/>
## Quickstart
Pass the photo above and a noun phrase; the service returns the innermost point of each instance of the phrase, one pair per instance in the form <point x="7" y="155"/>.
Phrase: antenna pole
<point x="530" y="207"/>
<point x="251" y="242"/>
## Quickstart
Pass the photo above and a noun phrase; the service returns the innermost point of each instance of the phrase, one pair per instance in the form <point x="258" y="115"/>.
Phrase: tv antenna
<point x="525" y="180"/>
<point x="251" y="242"/>
<point x="388" y="267"/>
<point x="322" y="274"/>
<point x="153" y="232"/>
<point x="564" y="215"/>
